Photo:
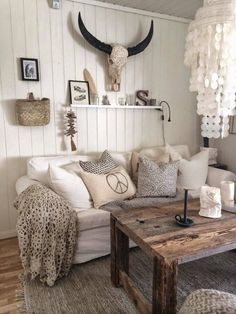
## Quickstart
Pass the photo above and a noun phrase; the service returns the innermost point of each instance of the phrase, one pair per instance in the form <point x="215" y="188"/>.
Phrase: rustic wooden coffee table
<point x="155" y="231"/>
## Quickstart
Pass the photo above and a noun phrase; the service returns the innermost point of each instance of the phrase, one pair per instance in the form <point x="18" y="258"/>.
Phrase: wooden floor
<point x="10" y="268"/>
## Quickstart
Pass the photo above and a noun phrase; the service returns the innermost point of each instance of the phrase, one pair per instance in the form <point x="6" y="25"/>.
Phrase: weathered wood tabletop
<point x="155" y="231"/>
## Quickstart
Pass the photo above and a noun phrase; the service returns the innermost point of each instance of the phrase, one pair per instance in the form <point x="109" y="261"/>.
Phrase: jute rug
<point x="88" y="289"/>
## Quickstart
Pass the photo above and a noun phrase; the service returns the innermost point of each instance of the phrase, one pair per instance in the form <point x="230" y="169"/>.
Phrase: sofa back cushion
<point x="37" y="167"/>
<point x="153" y="152"/>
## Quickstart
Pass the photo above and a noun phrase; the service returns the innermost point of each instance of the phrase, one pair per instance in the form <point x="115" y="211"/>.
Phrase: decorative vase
<point x="210" y="200"/>
<point x="227" y="193"/>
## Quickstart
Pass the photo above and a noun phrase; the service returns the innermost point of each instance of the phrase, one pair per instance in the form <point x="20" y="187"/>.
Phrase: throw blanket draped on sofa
<point x="47" y="233"/>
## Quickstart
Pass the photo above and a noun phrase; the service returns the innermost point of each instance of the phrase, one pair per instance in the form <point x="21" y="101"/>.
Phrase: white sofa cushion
<point x="153" y="152"/>
<point x="23" y="183"/>
<point x="215" y="176"/>
<point x="70" y="186"/>
<point x="37" y="167"/>
<point x="193" y="172"/>
<point x="93" y="218"/>
<point x="123" y="159"/>
<point x="112" y="186"/>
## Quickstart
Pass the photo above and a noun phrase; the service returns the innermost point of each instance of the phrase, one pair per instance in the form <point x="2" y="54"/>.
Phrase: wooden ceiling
<point x="180" y="8"/>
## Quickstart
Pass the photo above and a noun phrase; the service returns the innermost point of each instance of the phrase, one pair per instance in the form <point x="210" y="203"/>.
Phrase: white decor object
<point x="210" y="201"/>
<point x="227" y="193"/>
<point x="211" y="54"/>
<point x="212" y="154"/>
<point x="56" y="4"/>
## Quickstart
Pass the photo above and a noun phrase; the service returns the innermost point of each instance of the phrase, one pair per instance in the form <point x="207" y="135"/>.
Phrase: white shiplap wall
<point x="30" y="28"/>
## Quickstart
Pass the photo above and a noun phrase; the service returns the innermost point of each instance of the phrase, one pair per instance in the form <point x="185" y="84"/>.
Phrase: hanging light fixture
<point x="211" y="54"/>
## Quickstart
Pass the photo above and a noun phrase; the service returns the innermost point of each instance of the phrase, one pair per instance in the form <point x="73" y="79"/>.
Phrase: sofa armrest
<point x="23" y="183"/>
<point x="215" y="176"/>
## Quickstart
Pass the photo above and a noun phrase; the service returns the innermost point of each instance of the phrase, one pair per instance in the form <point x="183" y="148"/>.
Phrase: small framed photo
<point x="79" y="92"/>
<point x="29" y="69"/>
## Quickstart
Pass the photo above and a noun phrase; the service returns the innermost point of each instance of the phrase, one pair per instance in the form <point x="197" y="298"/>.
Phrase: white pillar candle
<point x="227" y="191"/>
<point x="210" y="201"/>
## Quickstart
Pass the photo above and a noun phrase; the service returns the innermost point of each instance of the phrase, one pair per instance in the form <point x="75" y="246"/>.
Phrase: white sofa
<point x="94" y="236"/>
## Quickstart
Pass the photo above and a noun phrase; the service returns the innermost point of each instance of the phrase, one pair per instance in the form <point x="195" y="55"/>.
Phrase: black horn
<point x="91" y="39"/>
<point x="143" y="44"/>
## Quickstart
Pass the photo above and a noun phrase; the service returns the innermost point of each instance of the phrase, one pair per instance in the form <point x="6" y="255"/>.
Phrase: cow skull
<point x="117" y="54"/>
<point x="116" y="61"/>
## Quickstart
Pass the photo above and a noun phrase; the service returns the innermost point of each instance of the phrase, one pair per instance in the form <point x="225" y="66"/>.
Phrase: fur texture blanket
<point x="47" y="233"/>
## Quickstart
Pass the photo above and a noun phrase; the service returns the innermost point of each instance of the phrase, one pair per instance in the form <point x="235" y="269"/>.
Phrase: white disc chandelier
<point x="211" y="54"/>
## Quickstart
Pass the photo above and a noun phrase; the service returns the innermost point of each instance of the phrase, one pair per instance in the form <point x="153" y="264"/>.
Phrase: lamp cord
<point x="163" y="118"/>
<point x="166" y="103"/>
<point x="163" y="131"/>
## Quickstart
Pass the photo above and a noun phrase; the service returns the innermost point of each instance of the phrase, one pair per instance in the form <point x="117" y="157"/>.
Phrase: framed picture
<point x="29" y="69"/>
<point x="232" y="125"/>
<point x="79" y="92"/>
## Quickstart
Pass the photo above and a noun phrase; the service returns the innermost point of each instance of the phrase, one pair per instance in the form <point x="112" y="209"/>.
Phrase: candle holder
<point x="184" y="221"/>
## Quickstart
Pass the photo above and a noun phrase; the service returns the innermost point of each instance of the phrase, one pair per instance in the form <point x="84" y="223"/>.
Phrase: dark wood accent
<point x="157" y="234"/>
<point x="164" y="287"/>
<point x="114" y="263"/>
<point x="142" y="304"/>
<point x="122" y="246"/>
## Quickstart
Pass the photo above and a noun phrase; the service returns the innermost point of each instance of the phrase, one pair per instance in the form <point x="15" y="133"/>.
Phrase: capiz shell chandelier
<point x="211" y="54"/>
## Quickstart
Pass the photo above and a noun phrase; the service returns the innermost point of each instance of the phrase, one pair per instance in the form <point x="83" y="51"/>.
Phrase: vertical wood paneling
<point x="46" y="70"/>
<point x="30" y="28"/>
<point x="32" y="51"/>
<point x="100" y="66"/>
<point x="8" y="95"/>
<point x="4" y="221"/>
<point x="91" y="65"/>
<point x="18" y="38"/>
<point x="58" y="77"/>
<point x="80" y="53"/>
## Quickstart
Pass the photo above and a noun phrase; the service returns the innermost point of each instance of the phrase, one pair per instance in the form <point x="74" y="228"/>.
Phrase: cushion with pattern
<point x="115" y="185"/>
<point x="157" y="180"/>
<point x="104" y="165"/>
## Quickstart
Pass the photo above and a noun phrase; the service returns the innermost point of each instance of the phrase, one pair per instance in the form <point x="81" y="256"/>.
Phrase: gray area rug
<point x="88" y="289"/>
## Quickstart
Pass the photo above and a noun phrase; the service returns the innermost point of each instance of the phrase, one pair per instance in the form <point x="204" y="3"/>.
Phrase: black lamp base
<point x="184" y="221"/>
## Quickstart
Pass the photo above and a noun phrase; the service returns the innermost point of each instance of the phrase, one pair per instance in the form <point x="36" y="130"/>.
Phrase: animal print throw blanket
<point x="47" y="233"/>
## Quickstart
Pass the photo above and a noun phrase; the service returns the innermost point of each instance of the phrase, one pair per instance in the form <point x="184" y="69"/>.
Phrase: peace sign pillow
<point x="108" y="187"/>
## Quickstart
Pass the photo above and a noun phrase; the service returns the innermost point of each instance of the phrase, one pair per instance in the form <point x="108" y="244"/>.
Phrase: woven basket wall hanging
<point x="32" y="112"/>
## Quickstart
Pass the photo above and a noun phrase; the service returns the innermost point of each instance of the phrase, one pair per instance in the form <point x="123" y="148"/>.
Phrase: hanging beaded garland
<point x="211" y="54"/>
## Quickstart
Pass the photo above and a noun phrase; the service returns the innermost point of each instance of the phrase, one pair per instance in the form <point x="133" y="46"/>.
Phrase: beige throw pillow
<point x="163" y="158"/>
<point x="193" y="172"/>
<point x="70" y="186"/>
<point x="112" y="186"/>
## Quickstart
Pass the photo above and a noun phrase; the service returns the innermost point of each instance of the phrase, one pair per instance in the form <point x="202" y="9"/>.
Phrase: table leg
<point x="122" y="251"/>
<point x="114" y="263"/>
<point x="119" y="252"/>
<point x="164" y="287"/>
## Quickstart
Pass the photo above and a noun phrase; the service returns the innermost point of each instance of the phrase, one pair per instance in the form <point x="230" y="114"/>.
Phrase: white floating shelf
<point x="115" y="107"/>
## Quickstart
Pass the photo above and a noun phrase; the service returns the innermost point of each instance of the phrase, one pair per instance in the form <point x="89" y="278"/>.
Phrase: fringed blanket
<point x="140" y="202"/>
<point x="47" y="233"/>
